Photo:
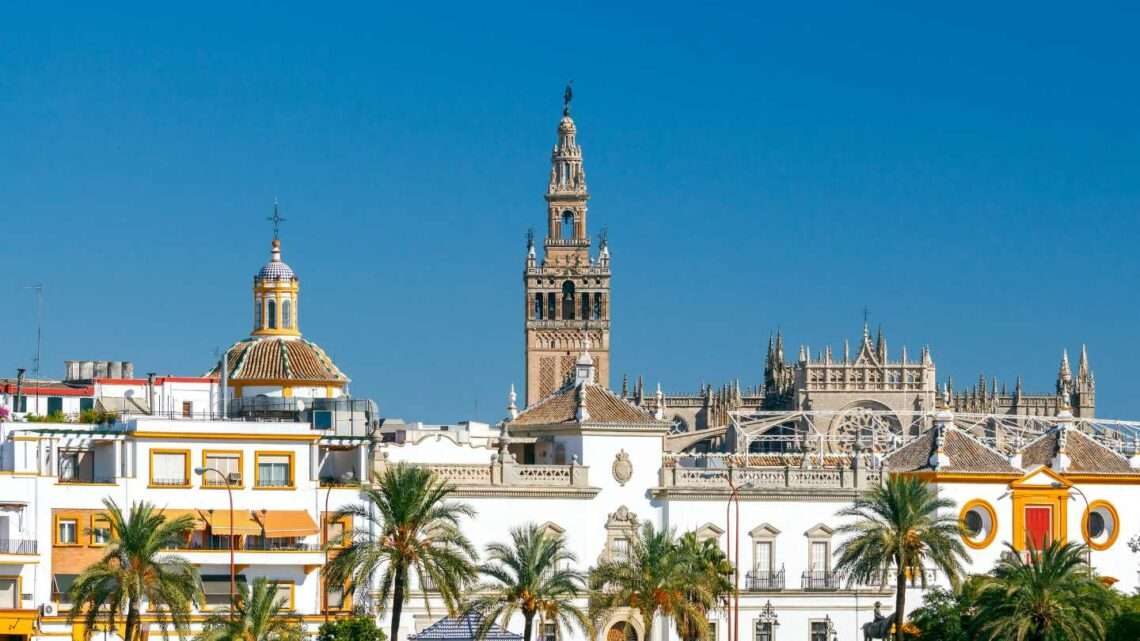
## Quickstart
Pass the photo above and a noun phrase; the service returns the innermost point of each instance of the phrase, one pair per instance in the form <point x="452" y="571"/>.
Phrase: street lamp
<point x="229" y="479"/>
<point x="1058" y="485"/>
<point x="346" y="477"/>
<point x="734" y="498"/>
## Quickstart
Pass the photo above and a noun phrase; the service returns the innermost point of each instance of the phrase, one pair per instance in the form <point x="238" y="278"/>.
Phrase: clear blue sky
<point x="971" y="177"/>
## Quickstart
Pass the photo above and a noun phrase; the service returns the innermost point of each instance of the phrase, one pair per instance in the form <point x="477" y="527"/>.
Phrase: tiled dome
<point x="276" y="269"/>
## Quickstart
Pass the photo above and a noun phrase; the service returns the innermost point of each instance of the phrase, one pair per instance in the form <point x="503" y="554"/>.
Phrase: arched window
<point x="585" y="314"/>
<point x="538" y="306"/>
<point x="568" y="300"/>
<point x="597" y="306"/>
<point x="257" y="314"/>
<point x="287" y="314"/>
<point x="551" y="306"/>
<point x="567" y="225"/>
<point x="272" y="311"/>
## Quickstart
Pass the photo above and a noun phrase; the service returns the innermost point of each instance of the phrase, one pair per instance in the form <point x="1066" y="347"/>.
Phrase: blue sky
<point x="970" y="177"/>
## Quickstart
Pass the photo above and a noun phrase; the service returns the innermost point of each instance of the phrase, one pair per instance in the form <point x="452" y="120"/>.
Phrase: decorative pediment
<point x="1041" y="476"/>
<point x="620" y="519"/>
<point x="819" y="531"/>
<point x="552" y="530"/>
<point x="708" y="531"/>
<point x="764" y="531"/>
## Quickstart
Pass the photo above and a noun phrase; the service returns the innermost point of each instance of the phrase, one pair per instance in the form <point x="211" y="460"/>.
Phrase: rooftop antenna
<point x="39" y="289"/>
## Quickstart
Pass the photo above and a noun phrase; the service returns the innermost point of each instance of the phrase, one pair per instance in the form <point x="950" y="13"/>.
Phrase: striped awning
<point x="286" y="523"/>
<point x="219" y="521"/>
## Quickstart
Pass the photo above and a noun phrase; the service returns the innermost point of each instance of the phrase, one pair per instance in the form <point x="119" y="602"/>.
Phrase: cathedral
<point x="567" y="307"/>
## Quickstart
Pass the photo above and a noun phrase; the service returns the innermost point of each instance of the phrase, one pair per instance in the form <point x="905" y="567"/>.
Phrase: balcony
<point x="821" y="581"/>
<point x="18" y="546"/>
<point x="764" y="581"/>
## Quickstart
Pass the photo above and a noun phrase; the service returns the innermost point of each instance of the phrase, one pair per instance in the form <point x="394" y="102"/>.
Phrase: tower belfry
<point x="567" y="293"/>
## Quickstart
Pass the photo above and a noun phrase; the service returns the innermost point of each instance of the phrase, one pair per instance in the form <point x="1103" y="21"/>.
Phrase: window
<point x="597" y="312"/>
<point x="67" y="532"/>
<point x="9" y="593"/>
<point x="978" y="523"/>
<point x="216" y="587"/>
<point x="61" y="585"/>
<point x="763" y="558"/>
<point x="334" y="598"/>
<point x="271" y="311"/>
<point x="538" y="306"/>
<point x="86" y="404"/>
<point x="100" y="530"/>
<point x="54" y="405"/>
<point x="551" y="306"/>
<point x="257" y="314"/>
<point x="169" y="468"/>
<point x="336" y="531"/>
<point x="69" y="466"/>
<point x="763" y="631"/>
<point x="585" y="306"/>
<point x="284" y="595"/>
<point x="228" y="464"/>
<point x="287" y="314"/>
<point x="819" y="631"/>
<point x="819" y="559"/>
<point x="550" y="631"/>
<point x="274" y="469"/>
<point x="187" y="409"/>
<point x="567" y="225"/>
<point x="568" y="300"/>
<point x="1100" y="525"/>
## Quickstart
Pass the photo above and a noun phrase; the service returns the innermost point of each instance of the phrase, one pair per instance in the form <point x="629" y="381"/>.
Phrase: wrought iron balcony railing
<point x="764" y="580"/>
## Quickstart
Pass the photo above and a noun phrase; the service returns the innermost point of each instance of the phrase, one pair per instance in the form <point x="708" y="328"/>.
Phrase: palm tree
<point x="530" y="575"/>
<point x="899" y="526"/>
<point x="706" y="566"/>
<point x="137" y="568"/>
<point x="260" y="614"/>
<point x="1050" y="596"/>
<point x="416" y="530"/>
<point x="652" y="580"/>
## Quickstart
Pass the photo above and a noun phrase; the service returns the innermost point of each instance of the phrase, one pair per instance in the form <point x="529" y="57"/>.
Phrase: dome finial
<point x="276" y="219"/>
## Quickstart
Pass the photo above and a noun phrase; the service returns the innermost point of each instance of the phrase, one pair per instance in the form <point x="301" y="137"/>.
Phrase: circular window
<point x="1100" y="525"/>
<point x="978" y="523"/>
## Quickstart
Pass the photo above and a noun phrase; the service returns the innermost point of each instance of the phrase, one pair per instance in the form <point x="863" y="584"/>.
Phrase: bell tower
<point x="567" y="305"/>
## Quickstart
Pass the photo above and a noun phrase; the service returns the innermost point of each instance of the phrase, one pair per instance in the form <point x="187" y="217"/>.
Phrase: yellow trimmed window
<point x="274" y="469"/>
<point x="67" y="532"/>
<point x="100" y="530"/>
<point x="169" y="468"/>
<point x="227" y="464"/>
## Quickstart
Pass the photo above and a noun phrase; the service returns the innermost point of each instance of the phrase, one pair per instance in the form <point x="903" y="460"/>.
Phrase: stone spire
<point x="1065" y="377"/>
<point x="512" y="406"/>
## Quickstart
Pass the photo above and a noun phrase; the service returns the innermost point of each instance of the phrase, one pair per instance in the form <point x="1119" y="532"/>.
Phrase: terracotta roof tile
<point x="1085" y="454"/>
<point x="562" y="407"/>
<point x="273" y="358"/>
<point x="966" y="455"/>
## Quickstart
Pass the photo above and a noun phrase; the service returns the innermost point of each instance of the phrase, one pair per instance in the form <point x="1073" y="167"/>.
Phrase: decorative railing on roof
<point x="768" y="478"/>
<point x="511" y="474"/>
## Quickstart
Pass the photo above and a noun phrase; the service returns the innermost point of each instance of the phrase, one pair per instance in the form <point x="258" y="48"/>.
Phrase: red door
<point x="1038" y="525"/>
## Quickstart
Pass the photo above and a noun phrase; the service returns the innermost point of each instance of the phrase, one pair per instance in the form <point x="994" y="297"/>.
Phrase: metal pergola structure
<point x="873" y="430"/>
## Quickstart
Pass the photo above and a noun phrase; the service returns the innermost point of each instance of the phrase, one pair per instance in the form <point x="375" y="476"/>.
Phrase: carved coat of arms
<point x="622" y="468"/>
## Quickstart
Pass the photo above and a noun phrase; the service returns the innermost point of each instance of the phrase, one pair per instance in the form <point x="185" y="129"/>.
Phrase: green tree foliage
<point x="1126" y="625"/>
<point x="711" y="574"/>
<point x="417" y="530"/>
<point x="1050" y="596"/>
<point x="899" y="527"/>
<point x="358" y="628"/>
<point x="653" y="580"/>
<point x="138" y="568"/>
<point x="531" y="575"/>
<point x="260" y="614"/>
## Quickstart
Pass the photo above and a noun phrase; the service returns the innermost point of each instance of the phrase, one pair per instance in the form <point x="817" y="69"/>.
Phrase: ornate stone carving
<point x="622" y="468"/>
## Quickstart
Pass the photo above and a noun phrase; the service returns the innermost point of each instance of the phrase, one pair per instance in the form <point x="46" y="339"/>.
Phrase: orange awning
<point x="172" y="513"/>
<point x="220" y="522"/>
<point x="286" y="523"/>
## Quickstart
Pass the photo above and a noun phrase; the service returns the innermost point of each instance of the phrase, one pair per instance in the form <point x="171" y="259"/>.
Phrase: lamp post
<point x="229" y="479"/>
<point x="346" y="477"/>
<point x="734" y="498"/>
<point x="1088" y="514"/>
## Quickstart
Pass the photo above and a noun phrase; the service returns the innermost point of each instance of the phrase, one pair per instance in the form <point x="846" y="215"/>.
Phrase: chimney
<point x="150" y="390"/>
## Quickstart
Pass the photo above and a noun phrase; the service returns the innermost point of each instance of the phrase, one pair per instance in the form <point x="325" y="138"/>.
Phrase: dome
<point x="281" y="359"/>
<point x="276" y="268"/>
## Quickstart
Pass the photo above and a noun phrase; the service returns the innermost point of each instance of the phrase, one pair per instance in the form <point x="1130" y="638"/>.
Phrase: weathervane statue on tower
<point x="567" y="96"/>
